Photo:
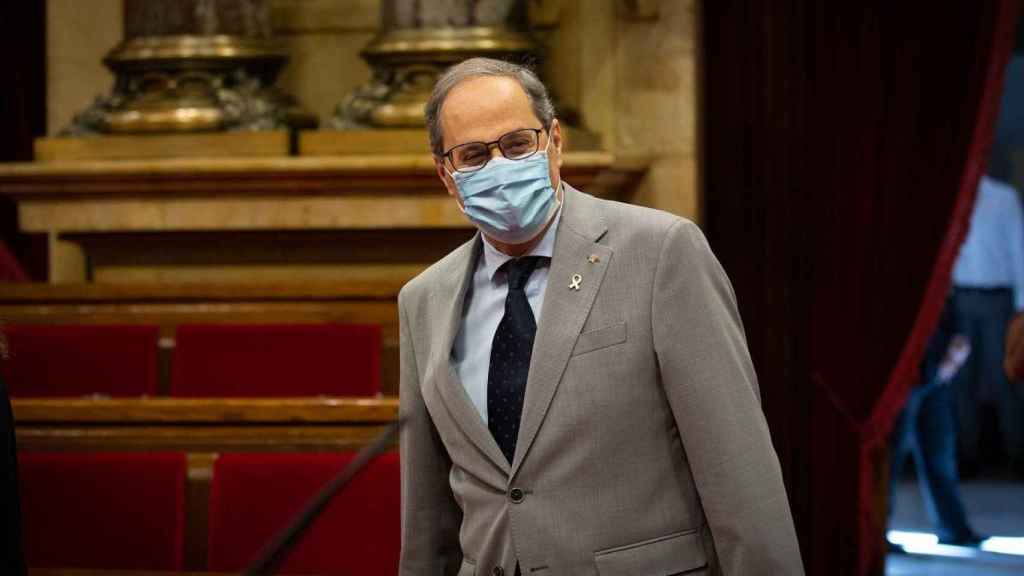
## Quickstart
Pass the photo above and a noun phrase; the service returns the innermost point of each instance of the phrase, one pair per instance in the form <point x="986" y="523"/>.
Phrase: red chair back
<point x="116" y="511"/>
<point x="74" y="360"/>
<point x="255" y="495"/>
<point x="276" y="360"/>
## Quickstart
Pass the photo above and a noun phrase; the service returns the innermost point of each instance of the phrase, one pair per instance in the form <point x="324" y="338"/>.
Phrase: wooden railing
<point x="200" y="425"/>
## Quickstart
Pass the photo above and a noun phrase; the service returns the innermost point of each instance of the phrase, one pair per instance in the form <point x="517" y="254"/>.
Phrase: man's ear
<point x="555" y="134"/>
<point x="442" y="173"/>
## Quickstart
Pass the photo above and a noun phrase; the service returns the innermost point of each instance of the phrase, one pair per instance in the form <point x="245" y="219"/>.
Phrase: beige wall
<point x="634" y="78"/>
<point x="78" y="35"/>
<point x="628" y="67"/>
<point x="324" y="38"/>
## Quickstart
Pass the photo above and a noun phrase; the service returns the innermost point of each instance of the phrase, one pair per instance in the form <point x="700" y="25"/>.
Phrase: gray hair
<point x="543" y="108"/>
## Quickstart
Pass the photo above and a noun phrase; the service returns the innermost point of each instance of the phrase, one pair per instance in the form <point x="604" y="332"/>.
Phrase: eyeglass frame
<point x="490" y="145"/>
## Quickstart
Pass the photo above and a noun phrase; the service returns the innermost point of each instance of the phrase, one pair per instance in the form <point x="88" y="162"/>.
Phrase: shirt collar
<point x="494" y="258"/>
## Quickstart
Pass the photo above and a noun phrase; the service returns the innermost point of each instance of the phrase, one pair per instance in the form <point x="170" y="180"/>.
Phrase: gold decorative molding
<point x="193" y="66"/>
<point x="416" y="42"/>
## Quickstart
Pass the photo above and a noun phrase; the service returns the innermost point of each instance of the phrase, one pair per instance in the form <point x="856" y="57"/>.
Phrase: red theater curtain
<point x="22" y="118"/>
<point x="842" y="145"/>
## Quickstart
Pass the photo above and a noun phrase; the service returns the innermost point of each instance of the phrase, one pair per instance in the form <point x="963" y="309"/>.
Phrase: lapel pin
<point x="576" y="280"/>
<point x="593" y="259"/>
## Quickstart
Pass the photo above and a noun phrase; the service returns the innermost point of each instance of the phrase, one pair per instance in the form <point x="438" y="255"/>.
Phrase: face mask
<point x="509" y="200"/>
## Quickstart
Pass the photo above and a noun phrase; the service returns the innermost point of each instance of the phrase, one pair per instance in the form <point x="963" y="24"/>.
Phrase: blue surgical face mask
<point x="509" y="200"/>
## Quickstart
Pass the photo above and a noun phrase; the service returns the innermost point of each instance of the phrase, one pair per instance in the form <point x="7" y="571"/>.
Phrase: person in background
<point x="926" y="429"/>
<point x="988" y="280"/>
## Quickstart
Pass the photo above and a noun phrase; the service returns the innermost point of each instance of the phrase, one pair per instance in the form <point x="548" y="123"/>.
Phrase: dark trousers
<point x="926" y="430"/>
<point x="982" y="315"/>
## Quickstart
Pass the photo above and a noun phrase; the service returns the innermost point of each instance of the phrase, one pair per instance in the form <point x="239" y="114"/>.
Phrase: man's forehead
<point x="484" y="108"/>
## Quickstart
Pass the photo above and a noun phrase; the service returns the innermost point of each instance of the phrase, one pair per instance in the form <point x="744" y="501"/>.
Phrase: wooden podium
<point x="351" y="206"/>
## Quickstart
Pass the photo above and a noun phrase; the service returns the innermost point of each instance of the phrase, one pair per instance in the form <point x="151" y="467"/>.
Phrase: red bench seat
<point x="103" y="511"/>
<point x="253" y="496"/>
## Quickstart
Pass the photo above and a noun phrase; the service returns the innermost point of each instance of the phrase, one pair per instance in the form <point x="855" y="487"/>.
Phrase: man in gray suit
<point x="578" y="392"/>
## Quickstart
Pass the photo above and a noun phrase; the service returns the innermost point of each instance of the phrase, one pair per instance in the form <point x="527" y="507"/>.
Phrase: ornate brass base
<point x="407" y="63"/>
<point x="193" y="84"/>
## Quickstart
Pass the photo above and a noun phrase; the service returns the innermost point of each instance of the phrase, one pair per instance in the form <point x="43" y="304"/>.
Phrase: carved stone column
<point x="416" y="42"/>
<point x="192" y="66"/>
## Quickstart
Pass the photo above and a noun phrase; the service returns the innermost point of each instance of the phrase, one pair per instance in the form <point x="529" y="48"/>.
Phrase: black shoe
<point x="969" y="540"/>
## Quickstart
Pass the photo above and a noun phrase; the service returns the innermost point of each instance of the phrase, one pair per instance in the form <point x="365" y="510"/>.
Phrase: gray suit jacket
<point x="642" y="448"/>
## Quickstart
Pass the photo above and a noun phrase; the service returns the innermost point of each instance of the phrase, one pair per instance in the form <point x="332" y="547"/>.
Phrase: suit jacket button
<point x="516" y="495"/>
<point x="498" y="571"/>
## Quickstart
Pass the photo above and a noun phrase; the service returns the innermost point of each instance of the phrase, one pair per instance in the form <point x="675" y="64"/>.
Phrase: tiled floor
<point x="994" y="508"/>
<point x="912" y="565"/>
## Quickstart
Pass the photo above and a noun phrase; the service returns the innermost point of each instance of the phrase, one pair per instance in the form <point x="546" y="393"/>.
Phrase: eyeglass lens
<point x="514" y="146"/>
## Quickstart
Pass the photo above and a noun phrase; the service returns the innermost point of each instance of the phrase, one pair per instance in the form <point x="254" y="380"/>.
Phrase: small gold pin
<point x="575" y="283"/>
<point x="593" y="259"/>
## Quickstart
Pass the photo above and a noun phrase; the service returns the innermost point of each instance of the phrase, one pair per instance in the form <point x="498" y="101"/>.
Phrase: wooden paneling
<point x="404" y="175"/>
<point x="78" y="203"/>
<point x="213" y="145"/>
<point x="200" y="425"/>
<point x="192" y="411"/>
<point x="277" y="438"/>
<point x="334" y="143"/>
<point x="81" y="294"/>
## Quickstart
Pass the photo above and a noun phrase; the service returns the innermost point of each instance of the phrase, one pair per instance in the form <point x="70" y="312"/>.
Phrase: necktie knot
<point x="519" y="270"/>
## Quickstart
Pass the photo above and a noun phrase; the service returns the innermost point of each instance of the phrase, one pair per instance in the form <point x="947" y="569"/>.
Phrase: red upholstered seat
<point x="103" y="510"/>
<point x="255" y="495"/>
<point x="74" y="360"/>
<point x="276" y="360"/>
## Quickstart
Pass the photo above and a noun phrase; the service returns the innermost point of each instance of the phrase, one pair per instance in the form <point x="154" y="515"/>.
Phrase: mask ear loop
<point x="458" y="191"/>
<point x="547" y="147"/>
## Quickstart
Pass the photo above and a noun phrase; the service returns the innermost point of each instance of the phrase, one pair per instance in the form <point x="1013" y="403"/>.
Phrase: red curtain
<point x="22" y="119"/>
<point x="842" y="145"/>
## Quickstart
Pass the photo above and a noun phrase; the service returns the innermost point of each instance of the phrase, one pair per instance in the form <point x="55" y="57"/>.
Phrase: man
<point x="988" y="280"/>
<point x="577" y="388"/>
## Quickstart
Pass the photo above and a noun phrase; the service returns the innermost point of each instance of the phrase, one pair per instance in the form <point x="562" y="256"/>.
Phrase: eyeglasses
<point x="472" y="156"/>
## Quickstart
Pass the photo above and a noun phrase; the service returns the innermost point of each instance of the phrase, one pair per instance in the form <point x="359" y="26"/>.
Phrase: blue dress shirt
<point x="992" y="256"/>
<point x="485" y="306"/>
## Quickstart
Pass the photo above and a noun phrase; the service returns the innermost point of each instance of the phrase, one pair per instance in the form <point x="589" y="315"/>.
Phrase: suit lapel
<point x="449" y="298"/>
<point x="565" y="308"/>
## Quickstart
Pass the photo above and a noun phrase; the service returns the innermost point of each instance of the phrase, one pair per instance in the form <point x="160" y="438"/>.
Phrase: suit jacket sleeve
<point x="430" y="516"/>
<point x="712" y="389"/>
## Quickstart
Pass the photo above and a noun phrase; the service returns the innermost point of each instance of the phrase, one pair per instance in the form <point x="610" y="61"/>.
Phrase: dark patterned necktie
<point x="510" y="357"/>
